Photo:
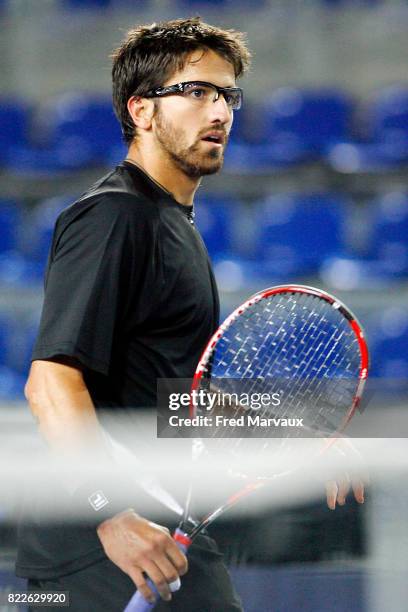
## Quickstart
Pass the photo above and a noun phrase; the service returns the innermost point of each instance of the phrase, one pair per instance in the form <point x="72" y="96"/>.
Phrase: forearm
<point x="67" y="420"/>
<point x="62" y="405"/>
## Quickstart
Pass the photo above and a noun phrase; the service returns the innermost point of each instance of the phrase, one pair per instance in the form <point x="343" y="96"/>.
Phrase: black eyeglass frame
<point x="179" y="88"/>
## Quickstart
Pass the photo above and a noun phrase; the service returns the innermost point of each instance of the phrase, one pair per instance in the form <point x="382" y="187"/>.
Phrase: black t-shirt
<point x="129" y="289"/>
<point x="129" y="294"/>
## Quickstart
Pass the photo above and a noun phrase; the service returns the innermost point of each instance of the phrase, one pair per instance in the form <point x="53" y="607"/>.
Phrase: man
<point x="130" y="297"/>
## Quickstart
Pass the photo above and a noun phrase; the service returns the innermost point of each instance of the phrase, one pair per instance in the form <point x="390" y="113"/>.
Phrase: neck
<point x="163" y="171"/>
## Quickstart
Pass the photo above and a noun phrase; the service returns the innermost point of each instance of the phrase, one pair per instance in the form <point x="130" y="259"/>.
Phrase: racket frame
<point x="292" y="288"/>
<point x="185" y="538"/>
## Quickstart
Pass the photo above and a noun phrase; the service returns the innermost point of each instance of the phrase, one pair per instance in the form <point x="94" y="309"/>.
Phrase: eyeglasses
<point x="200" y="92"/>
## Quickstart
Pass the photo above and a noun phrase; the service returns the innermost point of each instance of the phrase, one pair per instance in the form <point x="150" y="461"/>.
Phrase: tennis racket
<point x="293" y="340"/>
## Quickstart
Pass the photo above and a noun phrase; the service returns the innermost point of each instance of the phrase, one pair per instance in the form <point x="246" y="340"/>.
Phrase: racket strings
<point x="284" y="362"/>
<point x="297" y="344"/>
<point x="330" y="374"/>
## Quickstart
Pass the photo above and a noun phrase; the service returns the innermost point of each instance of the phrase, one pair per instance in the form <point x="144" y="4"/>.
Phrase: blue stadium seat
<point x="209" y="2"/>
<point x="389" y="117"/>
<point x="11" y="385"/>
<point x="297" y="233"/>
<point x="21" y="347"/>
<point x="50" y="161"/>
<point x="389" y="239"/>
<point x="351" y="157"/>
<point x="116" y="155"/>
<point x="214" y="219"/>
<point x="350" y="3"/>
<point x="86" y="4"/>
<point x="235" y="273"/>
<point x="14" y="125"/>
<point x="26" y="265"/>
<point x="221" y="4"/>
<point x="12" y="380"/>
<point x="389" y="345"/>
<point x="384" y="144"/>
<point x="308" y="120"/>
<point x="251" y="159"/>
<point x="16" y="270"/>
<point x="40" y="228"/>
<point x="81" y="125"/>
<point x="68" y="133"/>
<point x="382" y="261"/>
<point x="94" y="5"/>
<point x="251" y="151"/>
<point x="391" y="108"/>
<point x="240" y="128"/>
<point x="9" y="225"/>
<point x="5" y="332"/>
<point x="203" y="3"/>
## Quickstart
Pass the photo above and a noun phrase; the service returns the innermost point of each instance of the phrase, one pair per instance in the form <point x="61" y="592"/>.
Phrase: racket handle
<point x="138" y="603"/>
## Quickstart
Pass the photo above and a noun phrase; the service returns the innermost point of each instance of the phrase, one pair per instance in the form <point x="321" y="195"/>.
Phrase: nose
<point x="220" y="112"/>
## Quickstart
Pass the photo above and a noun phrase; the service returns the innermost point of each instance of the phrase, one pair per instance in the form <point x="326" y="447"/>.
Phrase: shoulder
<point x="108" y="207"/>
<point x="104" y="222"/>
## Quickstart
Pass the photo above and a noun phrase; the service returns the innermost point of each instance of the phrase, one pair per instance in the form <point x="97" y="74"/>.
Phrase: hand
<point x="350" y="475"/>
<point x="138" y="546"/>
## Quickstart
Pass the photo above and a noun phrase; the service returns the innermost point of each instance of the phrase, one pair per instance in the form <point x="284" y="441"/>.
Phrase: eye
<point x="233" y="99"/>
<point x="197" y="92"/>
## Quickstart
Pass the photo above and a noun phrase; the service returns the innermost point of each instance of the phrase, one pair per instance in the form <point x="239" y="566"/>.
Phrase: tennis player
<point x="130" y="297"/>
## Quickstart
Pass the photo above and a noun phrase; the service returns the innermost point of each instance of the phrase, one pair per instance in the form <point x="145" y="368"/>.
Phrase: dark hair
<point x="151" y="53"/>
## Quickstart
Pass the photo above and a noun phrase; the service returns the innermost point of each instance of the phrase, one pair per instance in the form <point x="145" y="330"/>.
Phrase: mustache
<point x="219" y="130"/>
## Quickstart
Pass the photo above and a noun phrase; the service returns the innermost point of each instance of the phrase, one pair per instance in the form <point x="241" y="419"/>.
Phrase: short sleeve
<point x="98" y="254"/>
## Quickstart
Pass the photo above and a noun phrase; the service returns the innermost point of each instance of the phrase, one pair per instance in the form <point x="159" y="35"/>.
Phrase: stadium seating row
<point x="181" y="4"/>
<point x="76" y="130"/>
<point x="282" y="236"/>
<point x="101" y="4"/>
<point x="387" y="335"/>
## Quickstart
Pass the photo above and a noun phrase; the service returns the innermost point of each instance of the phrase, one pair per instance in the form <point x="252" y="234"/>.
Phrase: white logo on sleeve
<point x="98" y="500"/>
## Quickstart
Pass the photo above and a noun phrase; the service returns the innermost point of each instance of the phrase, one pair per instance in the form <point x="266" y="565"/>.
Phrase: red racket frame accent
<point x="182" y="538"/>
<point x="330" y="299"/>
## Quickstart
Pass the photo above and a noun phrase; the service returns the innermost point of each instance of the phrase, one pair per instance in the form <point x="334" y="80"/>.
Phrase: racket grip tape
<point x="138" y="603"/>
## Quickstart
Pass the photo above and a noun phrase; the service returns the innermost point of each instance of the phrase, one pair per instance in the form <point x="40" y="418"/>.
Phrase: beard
<point x="192" y="160"/>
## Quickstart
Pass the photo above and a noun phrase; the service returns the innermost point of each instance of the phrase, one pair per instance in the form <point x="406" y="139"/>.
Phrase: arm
<point x="62" y="406"/>
<point x="61" y="403"/>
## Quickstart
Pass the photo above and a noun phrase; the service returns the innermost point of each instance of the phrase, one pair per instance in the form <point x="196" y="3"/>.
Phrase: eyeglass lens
<point x="208" y="92"/>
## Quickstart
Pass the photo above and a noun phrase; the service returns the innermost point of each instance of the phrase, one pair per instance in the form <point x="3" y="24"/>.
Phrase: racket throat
<point x="182" y="539"/>
<point x="188" y="524"/>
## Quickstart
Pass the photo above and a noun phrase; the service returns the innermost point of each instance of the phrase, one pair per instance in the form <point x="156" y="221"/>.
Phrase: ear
<point x="141" y="110"/>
